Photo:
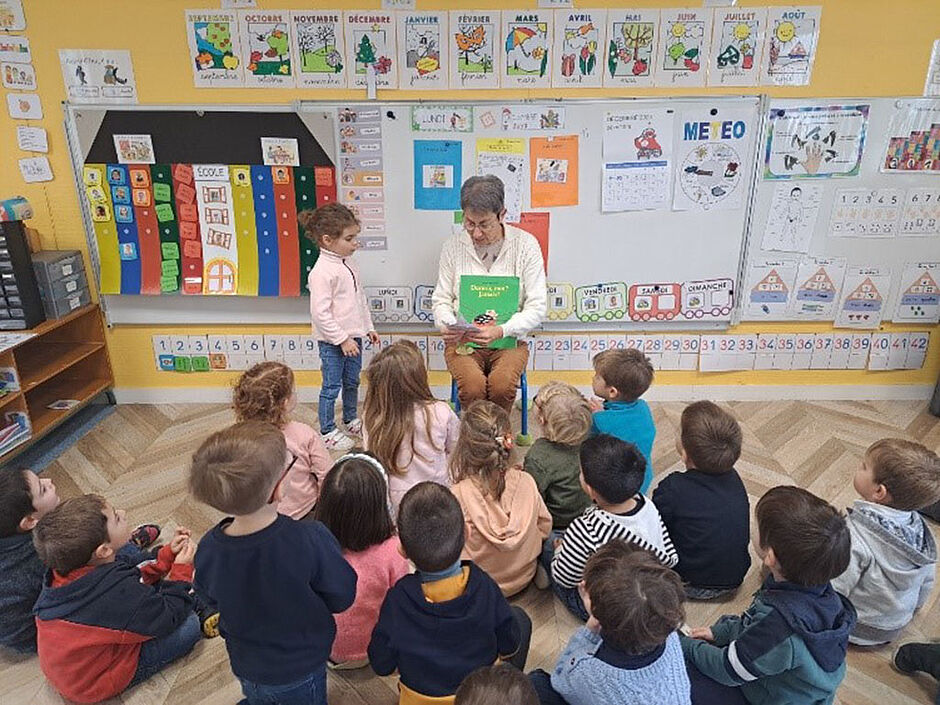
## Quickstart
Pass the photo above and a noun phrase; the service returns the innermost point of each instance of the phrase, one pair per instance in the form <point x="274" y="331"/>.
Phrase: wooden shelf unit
<point x="65" y="359"/>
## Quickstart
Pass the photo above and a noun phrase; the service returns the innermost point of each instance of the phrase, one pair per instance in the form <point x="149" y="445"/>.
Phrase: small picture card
<point x="11" y="16"/>
<point x="32" y="139"/>
<point x="35" y="169"/>
<point x="280" y="151"/>
<point x="134" y="149"/>
<point x="19" y="77"/>
<point x="15" y="48"/>
<point x="63" y="404"/>
<point x="24" y="106"/>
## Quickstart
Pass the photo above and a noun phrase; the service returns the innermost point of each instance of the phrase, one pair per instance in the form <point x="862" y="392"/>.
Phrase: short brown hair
<point x="496" y="684"/>
<point x="628" y="370"/>
<point x="261" y="393"/>
<point x="711" y="437"/>
<point x="809" y="536"/>
<point x="326" y="222"/>
<point x="67" y="537"/>
<point x="236" y="469"/>
<point x="909" y="471"/>
<point x="566" y="414"/>
<point x="635" y="598"/>
<point x="16" y="501"/>
<point x="431" y="526"/>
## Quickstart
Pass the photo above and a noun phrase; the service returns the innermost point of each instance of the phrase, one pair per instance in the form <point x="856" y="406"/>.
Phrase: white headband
<point x="370" y="460"/>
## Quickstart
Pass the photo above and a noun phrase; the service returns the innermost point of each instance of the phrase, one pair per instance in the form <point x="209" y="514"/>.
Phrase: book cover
<point x="489" y="301"/>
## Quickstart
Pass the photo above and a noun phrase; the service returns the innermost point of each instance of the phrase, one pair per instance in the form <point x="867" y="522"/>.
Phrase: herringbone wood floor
<point x="138" y="456"/>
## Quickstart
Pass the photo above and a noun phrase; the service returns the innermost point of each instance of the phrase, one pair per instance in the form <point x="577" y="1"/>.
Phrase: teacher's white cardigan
<point x="520" y="257"/>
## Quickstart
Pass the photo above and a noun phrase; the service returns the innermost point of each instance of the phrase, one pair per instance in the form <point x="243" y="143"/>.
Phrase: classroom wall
<point x="866" y="48"/>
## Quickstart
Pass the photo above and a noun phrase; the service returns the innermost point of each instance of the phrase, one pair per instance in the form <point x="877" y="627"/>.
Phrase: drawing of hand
<point x="814" y="153"/>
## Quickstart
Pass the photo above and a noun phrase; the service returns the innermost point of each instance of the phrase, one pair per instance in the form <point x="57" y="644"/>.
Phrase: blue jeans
<point x="339" y="372"/>
<point x="569" y="597"/>
<point x="133" y="555"/>
<point x="706" y="691"/>
<point x="156" y="654"/>
<point x="310" y="690"/>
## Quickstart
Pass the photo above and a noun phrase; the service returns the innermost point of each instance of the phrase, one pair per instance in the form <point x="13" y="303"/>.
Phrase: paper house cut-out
<point x="923" y="292"/>
<point x="866" y="297"/>
<point x="818" y="287"/>
<point x="770" y="289"/>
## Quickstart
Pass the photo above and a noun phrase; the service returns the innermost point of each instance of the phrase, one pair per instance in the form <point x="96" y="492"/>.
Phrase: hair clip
<point x="505" y="441"/>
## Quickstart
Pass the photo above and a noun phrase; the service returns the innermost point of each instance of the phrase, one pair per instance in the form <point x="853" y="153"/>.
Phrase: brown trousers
<point x="488" y="374"/>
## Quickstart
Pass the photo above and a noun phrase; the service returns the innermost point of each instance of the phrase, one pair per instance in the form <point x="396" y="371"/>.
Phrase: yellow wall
<point x="866" y="48"/>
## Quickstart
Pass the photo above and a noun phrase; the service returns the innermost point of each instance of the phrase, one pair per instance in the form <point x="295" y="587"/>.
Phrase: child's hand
<point x="186" y="553"/>
<point x="349" y="347"/>
<point x="704" y="633"/>
<point x="556" y="543"/>
<point x="593" y="625"/>
<point x="178" y="542"/>
<point x="373" y="337"/>
<point x="596" y="404"/>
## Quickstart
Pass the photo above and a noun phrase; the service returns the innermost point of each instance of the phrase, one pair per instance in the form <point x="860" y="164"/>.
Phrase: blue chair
<point x="523" y="439"/>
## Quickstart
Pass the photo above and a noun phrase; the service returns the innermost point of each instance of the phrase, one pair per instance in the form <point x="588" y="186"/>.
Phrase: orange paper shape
<point x="188" y="211"/>
<point x="536" y="224"/>
<point x="188" y="231"/>
<point x="553" y="171"/>
<point x="192" y="248"/>
<point x="185" y="194"/>
<point x="183" y="173"/>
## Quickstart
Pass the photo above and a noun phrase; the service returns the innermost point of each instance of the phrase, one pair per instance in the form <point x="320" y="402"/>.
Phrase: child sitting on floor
<point x="504" y="512"/>
<point x="628" y="652"/>
<point x="621" y="377"/>
<point x="500" y="684"/>
<point x="611" y="473"/>
<point x="440" y="624"/>
<point x="789" y="645"/>
<point x="266" y="392"/>
<point x="354" y="507"/>
<point x="404" y="426"/>
<point x="894" y="555"/>
<point x="706" y="508"/>
<point x="103" y="625"/>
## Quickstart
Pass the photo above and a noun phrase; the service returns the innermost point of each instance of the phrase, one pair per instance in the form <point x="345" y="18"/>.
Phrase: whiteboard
<point x="890" y="252"/>
<point x="587" y="246"/>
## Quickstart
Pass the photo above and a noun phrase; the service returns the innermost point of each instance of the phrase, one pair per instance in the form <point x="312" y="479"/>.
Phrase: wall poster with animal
<point x="266" y="41"/>
<point x="318" y="49"/>
<point x="578" y="60"/>
<point x="422" y="63"/>
<point x="632" y="37"/>
<point x="215" y="49"/>
<point x="473" y="41"/>
<point x="98" y="75"/>
<point x="527" y="48"/>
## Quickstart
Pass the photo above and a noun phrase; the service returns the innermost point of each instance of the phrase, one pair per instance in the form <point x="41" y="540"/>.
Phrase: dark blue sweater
<point x="708" y="517"/>
<point x="21" y="574"/>
<point x="435" y="645"/>
<point x="276" y="591"/>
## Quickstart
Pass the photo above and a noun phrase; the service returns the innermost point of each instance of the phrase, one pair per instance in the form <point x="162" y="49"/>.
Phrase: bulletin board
<point x="873" y="218"/>
<point x="673" y="253"/>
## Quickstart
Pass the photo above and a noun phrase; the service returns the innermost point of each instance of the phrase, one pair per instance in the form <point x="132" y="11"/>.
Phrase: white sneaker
<point x="354" y="427"/>
<point x="337" y="440"/>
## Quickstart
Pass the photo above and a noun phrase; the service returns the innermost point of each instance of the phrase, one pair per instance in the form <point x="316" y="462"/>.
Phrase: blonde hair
<point x="483" y="447"/>
<point x="236" y="469"/>
<point x="909" y="471"/>
<point x="261" y="393"/>
<point x="565" y="414"/>
<point x="397" y="381"/>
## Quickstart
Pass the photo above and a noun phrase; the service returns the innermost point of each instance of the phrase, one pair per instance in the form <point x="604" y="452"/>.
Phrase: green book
<point x="489" y="301"/>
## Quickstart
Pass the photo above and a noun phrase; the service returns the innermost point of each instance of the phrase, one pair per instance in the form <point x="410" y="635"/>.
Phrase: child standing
<point x="409" y="431"/>
<point x="505" y="515"/>
<point x="266" y="392"/>
<point x="706" y="508"/>
<point x="628" y="652"/>
<point x="621" y="377"/>
<point x="611" y="474"/>
<point x="789" y="645"/>
<point x="276" y="581"/>
<point x="565" y="417"/>
<point x="354" y="507"/>
<point x="340" y="317"/>
<point x="894" y="555"/>
<point x="442" y="623"/>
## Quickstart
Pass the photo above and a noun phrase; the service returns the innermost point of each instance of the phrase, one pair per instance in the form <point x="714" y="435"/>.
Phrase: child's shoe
<point x="209" y="621"/>
<point x="145" y="534"/>
<point x="354" y="427"/>
<point x="336" y="440"/>
<point x="913" y="657"/>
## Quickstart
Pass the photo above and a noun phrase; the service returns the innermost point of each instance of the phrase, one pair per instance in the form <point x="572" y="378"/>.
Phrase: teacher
<point x="488" y="246"/>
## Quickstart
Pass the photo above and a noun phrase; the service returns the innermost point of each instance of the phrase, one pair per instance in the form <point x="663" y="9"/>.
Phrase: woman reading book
<point x="480" y="353"/>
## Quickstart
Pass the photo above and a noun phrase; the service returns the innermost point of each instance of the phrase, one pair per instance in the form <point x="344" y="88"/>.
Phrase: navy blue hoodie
<point x="21" y="574"/>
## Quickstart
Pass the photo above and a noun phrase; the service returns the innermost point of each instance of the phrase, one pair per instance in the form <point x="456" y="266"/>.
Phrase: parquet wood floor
<point x="138" y="457"/>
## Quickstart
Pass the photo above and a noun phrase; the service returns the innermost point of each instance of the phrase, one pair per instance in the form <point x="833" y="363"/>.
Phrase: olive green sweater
<point x="556" y="469"/>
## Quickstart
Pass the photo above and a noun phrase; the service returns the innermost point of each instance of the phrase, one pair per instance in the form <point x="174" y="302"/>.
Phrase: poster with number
<point x="921" y="214"/>
<point x="637" y="166"/>
<point x="865" y="213"/>
<point x="770" y="287"/>
<point x="818" y="283"/>
<point x="919" y="293"/>
<point x="864" y="293"/>
<point x="913" y="137"/>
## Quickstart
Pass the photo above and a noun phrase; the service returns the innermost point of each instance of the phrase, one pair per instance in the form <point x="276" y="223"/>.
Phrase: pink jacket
<point x="423" y="461"/>
<point x="377" y="568"/>
<point x="301" y="487"/>
<point x="337" y="301"/>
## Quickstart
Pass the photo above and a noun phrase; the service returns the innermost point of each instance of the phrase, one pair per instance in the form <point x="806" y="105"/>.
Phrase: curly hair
<point x="564" y="412"/>
<point x="483" y="447"/>
<point x="262" y="392"/>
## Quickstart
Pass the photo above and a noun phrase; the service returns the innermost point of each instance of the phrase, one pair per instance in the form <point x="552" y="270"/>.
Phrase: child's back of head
<point x="353" y="502"/>
<point x="909" y="471"/>
<point x="809" y="537"/>
<point x="263" y="393"/>
<point x="613" y="468"/>
<point x="237" y="469"/>
<point x="501" y="684"/>
<point x="398" y="379"/>
<point x="564" y="413"/>
<point x="68" y="536"/>
<point x="636" y="599"/>
<point x="627" y="370"/>
<point x="431" y="527"/>
<point x="24" y="499"/>
<point x="710" y="437"/>
<point x="483" y="448"/>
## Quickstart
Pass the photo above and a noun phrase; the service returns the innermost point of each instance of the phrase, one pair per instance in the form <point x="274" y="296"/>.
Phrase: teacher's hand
<point x="452" y="337"/>
<point x="486" y="335"/>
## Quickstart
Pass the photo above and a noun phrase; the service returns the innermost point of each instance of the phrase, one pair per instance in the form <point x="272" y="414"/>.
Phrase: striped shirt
<point x="641" y="526"/>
